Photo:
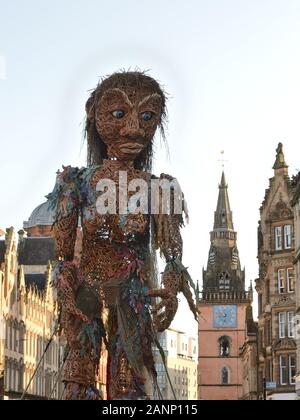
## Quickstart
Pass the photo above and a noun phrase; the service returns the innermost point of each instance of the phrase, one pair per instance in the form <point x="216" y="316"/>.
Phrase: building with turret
<point x="276" y="287"/>
<point x="31" y="355"/>
<point x="222" y="304"/>
<point x="29" y="315"/>
<point x="296" y="208"/>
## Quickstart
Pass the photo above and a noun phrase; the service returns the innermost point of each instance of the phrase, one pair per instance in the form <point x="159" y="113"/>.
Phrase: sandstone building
<point x="296" y="207"/>
<point x="249" y="358"/>
<point x="29" y="313"/>
<point x="276" y="287"/>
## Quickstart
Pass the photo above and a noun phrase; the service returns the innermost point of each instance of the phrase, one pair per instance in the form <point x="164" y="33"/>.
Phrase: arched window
<point x="225" y="376"/>
<point x="224" y="346"/>
<point x="224" y="281"/>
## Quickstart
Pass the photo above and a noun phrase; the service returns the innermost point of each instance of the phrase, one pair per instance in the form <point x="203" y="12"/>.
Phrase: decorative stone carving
<point x="263" y="270"/>
<point x="260" y="237"/>
<point x="280" y="262"/>
<point x="281" y="212"/>
<point x="285" y="344"/>
<point x="285" y="300"/>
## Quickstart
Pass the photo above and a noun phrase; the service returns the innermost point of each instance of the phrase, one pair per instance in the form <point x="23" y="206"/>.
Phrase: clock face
<point x="225" y="316"/>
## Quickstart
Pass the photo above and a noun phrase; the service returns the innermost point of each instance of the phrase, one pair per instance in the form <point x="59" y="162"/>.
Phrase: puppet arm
<point x="65" y="201"/>
<point x="175" y="278"/>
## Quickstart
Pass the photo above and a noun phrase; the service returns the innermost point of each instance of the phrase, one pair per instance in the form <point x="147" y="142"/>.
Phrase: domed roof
<point x="41" y="216"/>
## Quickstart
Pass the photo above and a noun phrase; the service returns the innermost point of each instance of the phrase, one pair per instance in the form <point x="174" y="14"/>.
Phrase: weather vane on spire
<point x="223" y="160"/>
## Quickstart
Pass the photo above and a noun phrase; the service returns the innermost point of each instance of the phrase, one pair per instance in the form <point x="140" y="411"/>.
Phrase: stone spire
<point x="224" y="272"/>
<point x="280" y="162"/>
<point x="223" y="214"/>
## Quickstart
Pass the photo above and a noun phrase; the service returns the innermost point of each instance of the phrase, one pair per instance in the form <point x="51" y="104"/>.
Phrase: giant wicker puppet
<point x="116" y="271"/>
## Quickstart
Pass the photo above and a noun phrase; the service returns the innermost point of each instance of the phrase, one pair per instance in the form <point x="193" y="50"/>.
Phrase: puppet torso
<point x="113" y="244"/>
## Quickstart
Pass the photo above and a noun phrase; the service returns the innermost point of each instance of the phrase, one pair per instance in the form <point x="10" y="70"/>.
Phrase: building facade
<point x="177" y="377"/>
<point x="276" y="287"/>
<point x="28" y="314"/>
<point x="222" y="305"/>
<point x="2" y="325"/>
<point x="249" y="358"/>
<point x="296" y="207"/>
<point x="31" y="356"/>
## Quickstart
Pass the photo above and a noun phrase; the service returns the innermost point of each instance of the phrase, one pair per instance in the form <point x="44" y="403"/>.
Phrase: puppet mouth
<point x="131" y="148"/>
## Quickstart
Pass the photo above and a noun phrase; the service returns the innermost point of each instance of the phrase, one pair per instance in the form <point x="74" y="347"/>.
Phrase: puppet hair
<point x="96" y="148"/>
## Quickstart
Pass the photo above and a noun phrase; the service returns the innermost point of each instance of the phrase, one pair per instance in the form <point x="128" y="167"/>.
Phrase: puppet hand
<point x="164" y="311"/>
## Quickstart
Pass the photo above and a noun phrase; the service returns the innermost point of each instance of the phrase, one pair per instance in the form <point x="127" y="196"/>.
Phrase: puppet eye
<point x="147" y="115"/>
<point x="118" y="113"/>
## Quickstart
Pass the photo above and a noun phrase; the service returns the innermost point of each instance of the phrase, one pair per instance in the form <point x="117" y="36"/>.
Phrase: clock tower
<point x="222" y="304"/>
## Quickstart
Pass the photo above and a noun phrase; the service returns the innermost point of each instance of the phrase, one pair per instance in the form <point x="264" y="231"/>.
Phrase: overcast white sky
<point x="231" y="68"/>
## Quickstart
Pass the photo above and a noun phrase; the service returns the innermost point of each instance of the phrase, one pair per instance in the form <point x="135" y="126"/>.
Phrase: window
<point x="281" y="285"/>
<point x="288" y="236"/>
<point x="224" y="343"/>
<point x="225" y="376"/>
<point x="278" y="238"/>
<point x="292" y="369"/>
<point x="260" y="303"/>
<point x="269" y="371"/>
<point x="260" y="339"/>
<point x="290" y="280"/>
<point x="287" y="365"/>
<point x="159" y="367"/>
<point x="291" y="325"/>
<point x="282" y="321"/>
<point x="224" y="281"/>
<point x="285" y="240"/>
<point x="283" y="370"/>
<point x="163" y="343"/>
<point x="268" y="337"/>
<point x="267" y="291"/>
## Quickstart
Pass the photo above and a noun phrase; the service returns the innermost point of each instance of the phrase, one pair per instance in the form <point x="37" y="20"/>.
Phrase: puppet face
<point x="126" y="120"/>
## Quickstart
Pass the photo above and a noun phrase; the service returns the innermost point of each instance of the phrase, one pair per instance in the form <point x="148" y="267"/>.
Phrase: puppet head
<point x="123" y="113"/>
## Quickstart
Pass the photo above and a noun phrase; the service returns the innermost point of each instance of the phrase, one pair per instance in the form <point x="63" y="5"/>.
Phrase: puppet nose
<point x="132" y="133"/>
<point x="132" y="129"/>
